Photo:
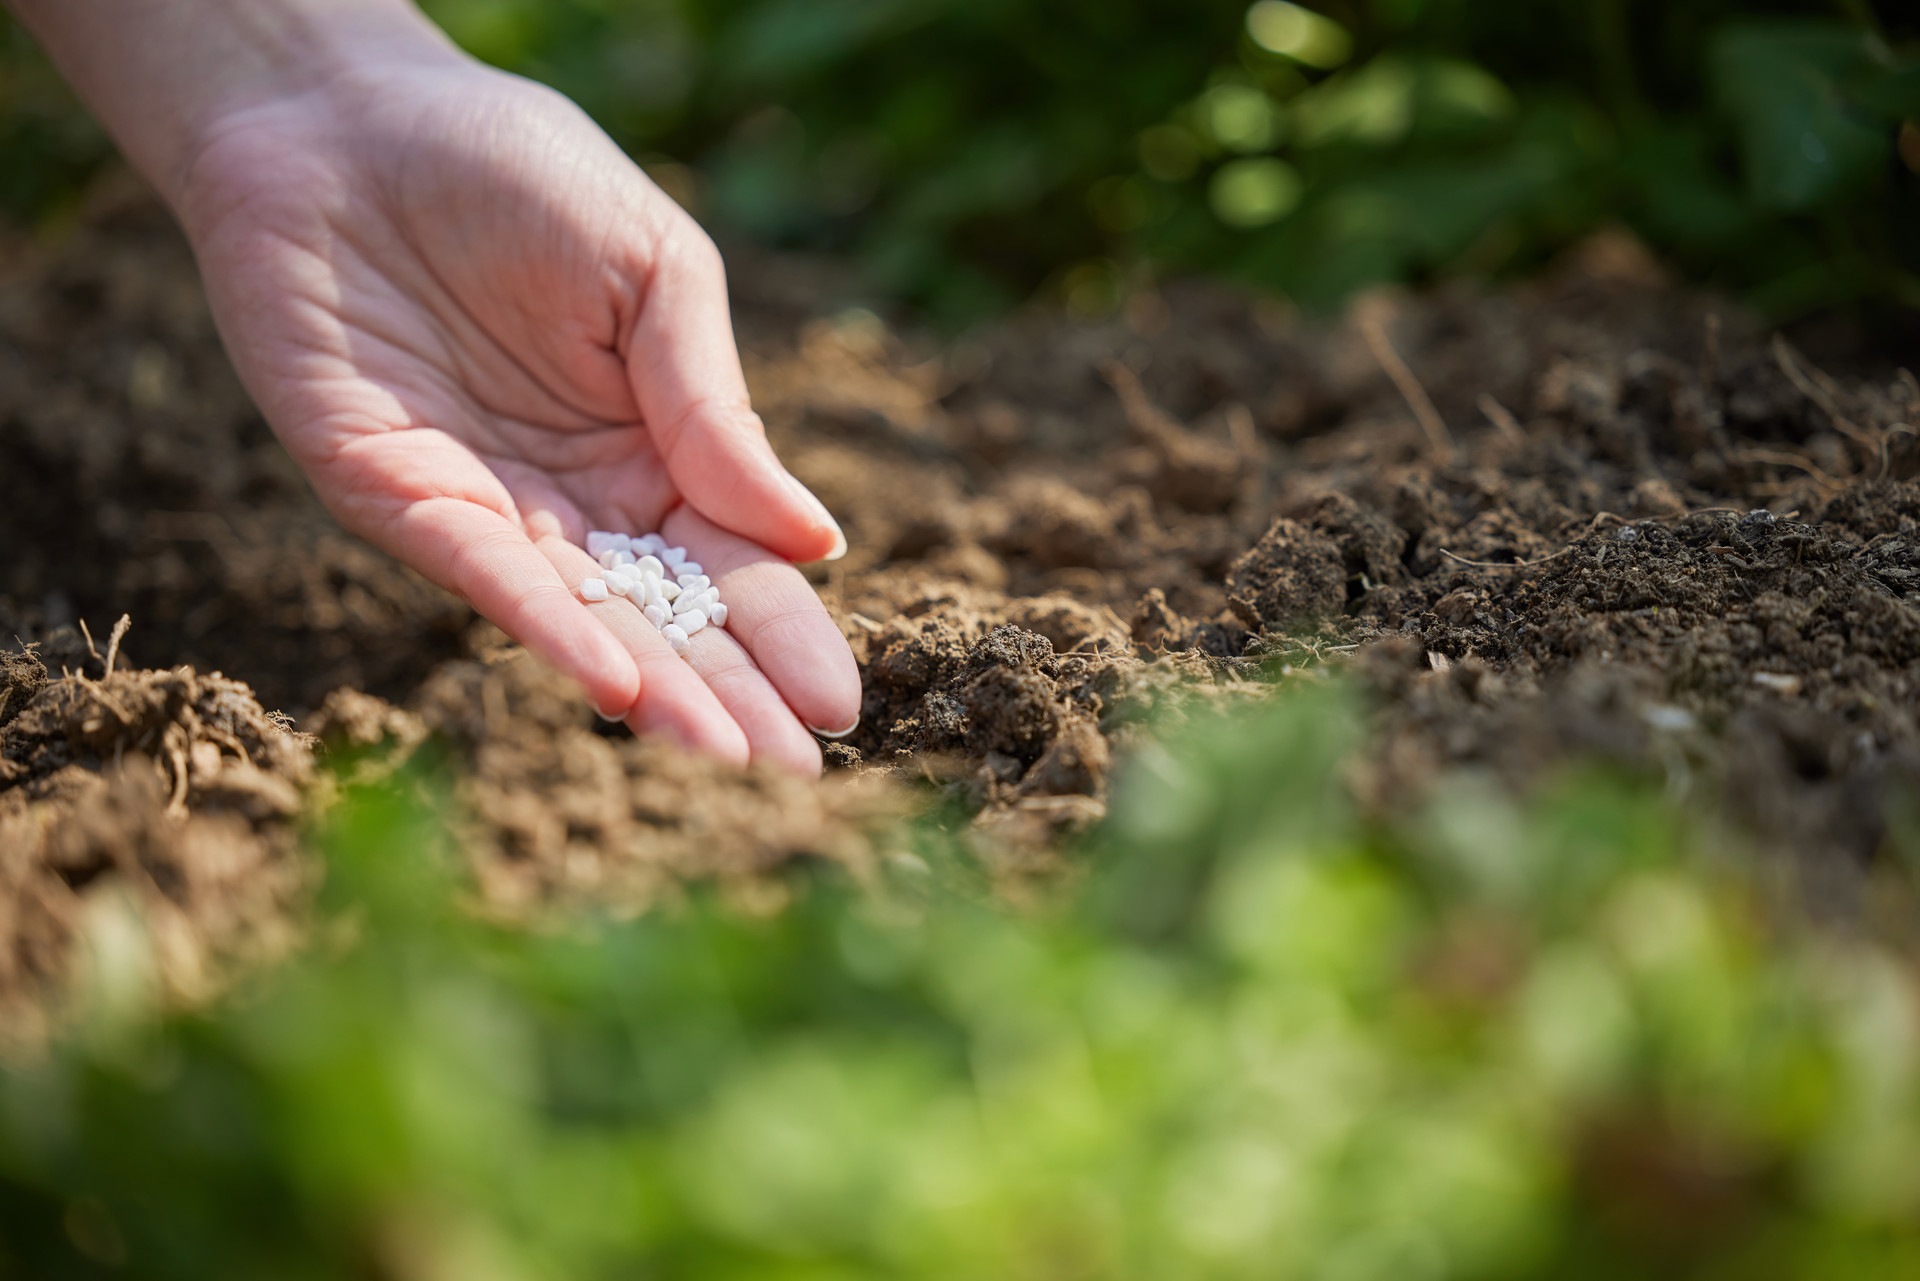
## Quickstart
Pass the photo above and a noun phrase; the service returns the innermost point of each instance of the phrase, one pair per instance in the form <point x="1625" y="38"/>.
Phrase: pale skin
<point x="481" y="331"/>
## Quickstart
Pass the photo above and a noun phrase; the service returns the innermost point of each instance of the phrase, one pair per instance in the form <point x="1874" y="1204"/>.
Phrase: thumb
<point x="687" y="380"/>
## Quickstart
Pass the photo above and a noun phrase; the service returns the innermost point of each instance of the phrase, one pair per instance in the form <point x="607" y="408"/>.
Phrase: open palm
<point x="482" y="331"/>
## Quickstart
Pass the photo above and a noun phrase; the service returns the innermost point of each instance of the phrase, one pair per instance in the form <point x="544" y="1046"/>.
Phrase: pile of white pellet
<point x="673" y="592"/>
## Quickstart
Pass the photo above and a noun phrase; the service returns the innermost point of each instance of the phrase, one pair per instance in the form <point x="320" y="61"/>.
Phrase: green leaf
<point x="1805" y="139"/>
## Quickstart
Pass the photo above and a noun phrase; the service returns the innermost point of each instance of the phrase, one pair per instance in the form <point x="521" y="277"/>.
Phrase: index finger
<point x="778" y="618"/>
<point x="491" y="563"/>
<point x="692" y="395"/>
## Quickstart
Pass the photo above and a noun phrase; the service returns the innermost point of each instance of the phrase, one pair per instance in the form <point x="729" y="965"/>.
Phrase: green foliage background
<point x="1267" y="1039"/>
<point x="969" y="153"/>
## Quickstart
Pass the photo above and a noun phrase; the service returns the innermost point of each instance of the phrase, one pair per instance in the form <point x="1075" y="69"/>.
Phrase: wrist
<point x="323" y="57"/>
<point x="166" y="77"/>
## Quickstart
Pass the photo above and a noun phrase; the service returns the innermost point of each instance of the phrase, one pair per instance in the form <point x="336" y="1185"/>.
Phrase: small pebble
<point x="690" y="622"/>
<point x="617" y="583"/>
<point x="622" y="558"/>
<point x="650" y="564"/>
<point x="593" y="589"/>
<point x="669" y="590"/>
<point x="706" y="600"/>
<point x="676" y="637"/>
<point x="692" y="567"/>
<point x="674" y="556"/>
<point x="603" y="540"/>
<point x="657" y="614"/>
<point x="649" y="544"/>
<point x="606" y="558"/>
<point x="693" y="582"/>
<point x="717" y="615"/>
<point x="1675" y="720"/>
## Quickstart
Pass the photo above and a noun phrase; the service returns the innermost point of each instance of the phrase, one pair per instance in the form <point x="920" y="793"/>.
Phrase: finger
<point x="693" y="397"/>
<point x="772" y="730"/>
<point x="779" y="621"/>
<point x="676" y="701"/>
<point x="486" y="559"/>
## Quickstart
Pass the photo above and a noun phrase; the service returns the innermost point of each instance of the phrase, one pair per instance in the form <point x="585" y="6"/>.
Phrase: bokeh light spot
<point x="1300" y="34"/>
<point x="1254" y="192"/>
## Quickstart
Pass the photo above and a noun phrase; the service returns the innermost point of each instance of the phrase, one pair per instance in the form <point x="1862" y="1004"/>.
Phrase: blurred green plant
<point x="969" y="153"/>
<point x="1267" y="1040"/>
<point x="48" y="145"/>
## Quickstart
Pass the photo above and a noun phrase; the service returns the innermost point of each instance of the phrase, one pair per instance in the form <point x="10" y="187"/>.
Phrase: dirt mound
<point x="1592" y="514"/>
<point x="174" y="790"/>
<point x="1632" y="491"/>
<point x="566" y="812"/>
<point x="139" y="479"/>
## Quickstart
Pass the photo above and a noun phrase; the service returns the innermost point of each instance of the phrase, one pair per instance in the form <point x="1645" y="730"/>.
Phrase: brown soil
<point x="1656" y="534"/>
<point x="173" y="786"/>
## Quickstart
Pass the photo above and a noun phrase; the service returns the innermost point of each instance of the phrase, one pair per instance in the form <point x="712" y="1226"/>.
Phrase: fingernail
<point x="812" y="500"/>
<point x="837" y="733"/>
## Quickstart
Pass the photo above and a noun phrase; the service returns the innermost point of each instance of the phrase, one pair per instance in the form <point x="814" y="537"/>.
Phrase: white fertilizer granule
<point x="673" y="593"/>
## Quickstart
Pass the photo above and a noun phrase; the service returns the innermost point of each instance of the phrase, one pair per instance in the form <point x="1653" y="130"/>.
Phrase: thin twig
<point x="177" y="804"/>
<point x="1819" y="390"/>
<point x="1514" y="564"/>
<point x="1886" y="438"/>
<point x="1241" y="430"/>
<point x="1785" y="458"/>
<point x="1147" y="419"/>
<point x="113" y="641"/>
<point x="1439" y="439"/>
<point x="1497" y="414"/>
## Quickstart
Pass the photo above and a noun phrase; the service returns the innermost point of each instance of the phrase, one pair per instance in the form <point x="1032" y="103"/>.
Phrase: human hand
<point x="481" y="330"/>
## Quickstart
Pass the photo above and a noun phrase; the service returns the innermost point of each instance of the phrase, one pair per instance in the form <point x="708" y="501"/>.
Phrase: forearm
<point x="160" y="74"/>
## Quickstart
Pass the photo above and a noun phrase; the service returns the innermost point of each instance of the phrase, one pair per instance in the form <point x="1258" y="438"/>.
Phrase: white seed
<point x="692" y="567"/>
<point x="657" y="614"/>
<point x="651" y="565"/>
<point x="692" y="582"/>
<point x="602" y="540"/>
<point x="676" y="637"/>
<point x="674" y="556"/>
<point x="593" y="589"/>
<point x="718" y="614"/>
<point x="690" y="622"/>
